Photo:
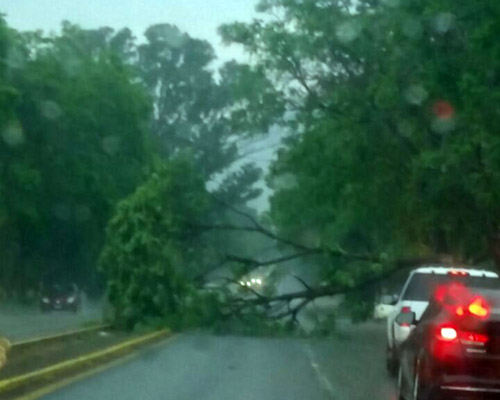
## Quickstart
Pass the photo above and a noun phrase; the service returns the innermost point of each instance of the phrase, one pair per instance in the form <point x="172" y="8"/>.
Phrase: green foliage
<point x="73" y="141"/>
<point x="149" y="253"/>
<point x="392" y="145"/>
<point x="77" y="130"/>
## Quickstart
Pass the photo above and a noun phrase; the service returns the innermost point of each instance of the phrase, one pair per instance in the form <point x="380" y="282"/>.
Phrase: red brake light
<point x="447" y="334"/>
<point x="460" y="311"/>
<point x="457" y="272"/>
<point x="479" y="308"/>
<point x="451" y="335"/>
<point x="474" y="338"/>
<point x="405" y="309"/>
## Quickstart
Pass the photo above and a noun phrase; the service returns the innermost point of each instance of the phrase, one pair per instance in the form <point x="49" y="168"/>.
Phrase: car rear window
<point x="422" y="286"/>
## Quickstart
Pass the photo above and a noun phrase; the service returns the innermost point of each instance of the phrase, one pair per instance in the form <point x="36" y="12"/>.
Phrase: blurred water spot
<point x="111" y="144"/>
<point x="443" y="109"/>
<point x="72" y="65"/>
<point x="284" y="181"/>
<point x="50" y="109"/>
<point x="318" y="114"/>
<point x="443" y="125"/>
<point x="405" y="128"/>
<point x="390" y="3"/>
<point x="13" y="134"/>
<point x="15" y="58"/>
<point x="310" y="237"/>
<point x="62" y="211"/>
<point x="443" y="22"/>
<point x="348" y="31"/>
<point x="412" y="28"/>
<point x="82" y="213"/>
<point x="416" y="94"/>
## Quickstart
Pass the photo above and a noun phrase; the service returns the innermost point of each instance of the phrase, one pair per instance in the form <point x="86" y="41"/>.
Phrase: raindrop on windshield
<point x="348" y="31"/>
<point x="443" y="22"/>
<point x="285" y="181"/>
<point x="50" y="110"/>
<point x="62" y="211"/>
<point x="442" y="126"/>
<point x="405" y="128"/>
<point x="13" y="134"/>
<point x="82" y="213"/>
<point x="111" y="145"/>
<point x="390" y="3"/>
<point x="412" y="28"/>
<point x="444" y="120"/>
<point x="15" y="58"/>
<point x="416" y="94"/>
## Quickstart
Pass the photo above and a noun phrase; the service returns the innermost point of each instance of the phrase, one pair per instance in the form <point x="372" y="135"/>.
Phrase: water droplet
<point x="82" y="213"/>
<point x="111" y="145"/>
<point x="416" y="94"/>
<point x="318" y="114"/>
<point x="412" y="28"/>
<point x="72" y="66"/>
<point x="62" y="211"/>
<point x="390" y="3"/>
<point x="13" y="134"/>
<point x="15" y="58"/>
<point x="443" y="125"/>
<point x="443" y="109"/>
<point x="284" y="182"/>
<point x="348" y="31"/>
<point x="405" y="128"/>
<point x="443" y="22"/>
<point x="50" y="110"/>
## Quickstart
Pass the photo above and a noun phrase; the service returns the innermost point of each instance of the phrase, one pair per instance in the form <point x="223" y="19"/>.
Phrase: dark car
<point x="454" y="350"/>
<point x="60" y="298"/>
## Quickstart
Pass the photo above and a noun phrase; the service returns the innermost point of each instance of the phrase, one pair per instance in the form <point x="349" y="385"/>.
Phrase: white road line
<point x="323" y="380"/>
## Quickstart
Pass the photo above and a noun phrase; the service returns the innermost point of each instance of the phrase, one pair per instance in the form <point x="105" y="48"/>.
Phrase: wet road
<point x="205" y="367"/>
<point x="20" y="323"/>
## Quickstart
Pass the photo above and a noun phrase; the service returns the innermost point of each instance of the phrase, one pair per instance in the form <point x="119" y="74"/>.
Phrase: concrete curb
<point x="59" y="336"/>
<point x="66" y="366"/>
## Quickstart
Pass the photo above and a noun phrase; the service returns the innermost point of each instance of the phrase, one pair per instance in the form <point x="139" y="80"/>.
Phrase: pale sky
<point x="199" y="18"/>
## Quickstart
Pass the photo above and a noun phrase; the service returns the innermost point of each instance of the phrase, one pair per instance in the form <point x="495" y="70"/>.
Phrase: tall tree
<point x="75" y="143"/>
<point x="391" y="106"/>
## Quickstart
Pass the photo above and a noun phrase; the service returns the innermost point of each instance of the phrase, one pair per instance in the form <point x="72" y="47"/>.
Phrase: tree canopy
<point x="391" y="113"/>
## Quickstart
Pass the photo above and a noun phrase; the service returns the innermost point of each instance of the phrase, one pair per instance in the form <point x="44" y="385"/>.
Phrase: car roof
<point x="440" y="270"/>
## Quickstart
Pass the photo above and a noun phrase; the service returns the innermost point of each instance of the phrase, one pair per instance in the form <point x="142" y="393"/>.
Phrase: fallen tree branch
<point x="311" y="293"/>
<point x="279" y="260"/>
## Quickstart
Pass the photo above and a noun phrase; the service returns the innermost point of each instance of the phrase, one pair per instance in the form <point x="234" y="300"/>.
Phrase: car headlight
<point x="71" y="300"/>
<point x="46" y="300"/>
<point x="258" y="281"/>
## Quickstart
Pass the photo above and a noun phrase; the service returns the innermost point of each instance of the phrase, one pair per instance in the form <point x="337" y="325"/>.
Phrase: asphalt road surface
<point x="195" y="366"/>
<point x="21" y="323"/>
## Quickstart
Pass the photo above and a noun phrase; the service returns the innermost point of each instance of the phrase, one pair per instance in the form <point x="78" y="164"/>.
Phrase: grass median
<point x="31" y="368"/>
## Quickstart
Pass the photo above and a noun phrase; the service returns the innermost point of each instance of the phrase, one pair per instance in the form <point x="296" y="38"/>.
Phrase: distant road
<point x="241" y="368"/>
<point x="21" y="322"/>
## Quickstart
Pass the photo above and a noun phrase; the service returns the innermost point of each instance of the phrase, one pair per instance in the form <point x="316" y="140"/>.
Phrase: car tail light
<point x="479" y="308"/>
<point x="472" y="338"/>
<point x="457" y="272"/>
<point x="447" y="334"/>
<point x="451" y="334"/>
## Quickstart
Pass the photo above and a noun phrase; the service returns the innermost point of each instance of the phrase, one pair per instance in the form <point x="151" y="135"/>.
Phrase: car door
<point x="413" y="349"/>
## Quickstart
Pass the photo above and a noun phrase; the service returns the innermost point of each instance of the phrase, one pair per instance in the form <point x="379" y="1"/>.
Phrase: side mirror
<point x="406" y="319"/>
<point x="394" y="300"/>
